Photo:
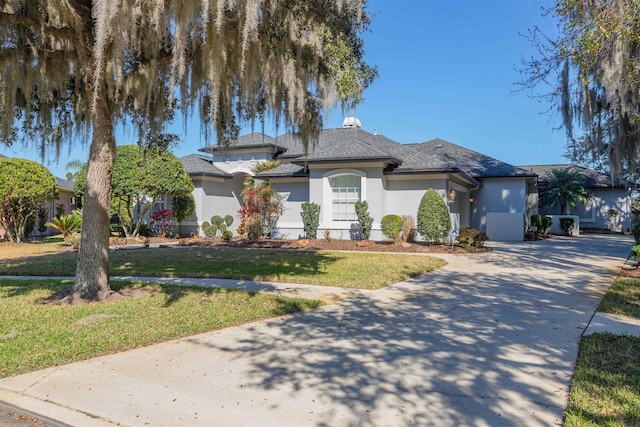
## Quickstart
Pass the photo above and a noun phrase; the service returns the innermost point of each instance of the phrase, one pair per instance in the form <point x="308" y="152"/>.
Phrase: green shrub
<point x="364" y="219"/>
<point x="228" y="220"/>
<point x="310" y="219"/>
<point x="536" y="221"/>
<point x="635" y="252"/>
<point x="470" y="237"/>
<point x="145" y="230"/>
<point x="434" y="221"/>
<point x="227" y="235"/>
<point x="391" y="226"/>
<point x="541" y="222"/>
<point x="635" y="230"/>
<point x="217" y="220"/>
<point x="567" y="224"/>
<point x="209" y="230"/>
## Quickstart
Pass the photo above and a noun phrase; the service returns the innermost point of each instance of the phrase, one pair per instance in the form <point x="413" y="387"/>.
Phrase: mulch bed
<point x="333" y="245"/>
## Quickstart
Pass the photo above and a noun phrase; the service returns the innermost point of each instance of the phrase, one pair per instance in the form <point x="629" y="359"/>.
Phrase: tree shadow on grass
<point x="185" y="262"/>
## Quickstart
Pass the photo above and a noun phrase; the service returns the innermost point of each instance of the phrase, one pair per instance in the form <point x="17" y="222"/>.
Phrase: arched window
<point x="346" y="190"/>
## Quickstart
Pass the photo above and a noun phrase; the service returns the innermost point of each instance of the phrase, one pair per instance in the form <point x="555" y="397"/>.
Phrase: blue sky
<point x="447" y="70"/>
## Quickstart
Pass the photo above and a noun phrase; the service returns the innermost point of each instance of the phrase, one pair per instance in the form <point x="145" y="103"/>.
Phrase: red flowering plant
<point x="261" y="208"/>
<point x="160" y="222"/>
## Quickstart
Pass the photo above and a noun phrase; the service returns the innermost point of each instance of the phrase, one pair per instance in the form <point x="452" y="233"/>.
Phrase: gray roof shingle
<point x="355" y="144"/>
<point x="252" y="140"/>
<point x="64" y="184"/>
<point x="287" y="169"/>
<point x="196" y="164"/>
<point x="592" y="178"/>
<point x="475" y="164"/>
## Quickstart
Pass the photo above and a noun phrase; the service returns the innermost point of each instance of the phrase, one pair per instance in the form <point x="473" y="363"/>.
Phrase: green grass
<point x="623" y="297"/>
<point x="606" y="386"/>
<point x="346" y="269"/>
<point x="34" y="335"/>
<point x="605" y="390"/>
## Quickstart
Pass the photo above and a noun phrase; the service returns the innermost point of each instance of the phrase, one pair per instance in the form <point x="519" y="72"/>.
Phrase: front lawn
<point x="623" y="297"/>
<point x="346" y="269"/>
<point x="606" y="385"/>
<point x="35" y="335"/>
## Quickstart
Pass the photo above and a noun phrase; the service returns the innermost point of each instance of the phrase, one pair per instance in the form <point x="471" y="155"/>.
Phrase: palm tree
<point x="564" y="187"/>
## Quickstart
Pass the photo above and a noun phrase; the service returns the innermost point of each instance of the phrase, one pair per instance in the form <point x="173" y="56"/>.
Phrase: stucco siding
<point x="296" y="192"/>
<point x="499" y="195"/>
<point x="404" y="196"/>
<point x="594" y="214"/>
<point x="215" y="197"/>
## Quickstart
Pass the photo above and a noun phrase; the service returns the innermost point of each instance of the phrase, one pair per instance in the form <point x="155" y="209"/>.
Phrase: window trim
<point x="327" y="196"/>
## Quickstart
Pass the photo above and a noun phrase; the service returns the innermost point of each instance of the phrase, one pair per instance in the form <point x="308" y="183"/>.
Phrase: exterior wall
<point x="296" y="192"/>
<point x="385" y="195"/>
<point x="595" y="213"/>
<point x="238" y="163"/>
<point x="214" y="197"/>
<point x="66" y="198"/>
<point x="501" y="195"/>
<point x="404" y="195"/>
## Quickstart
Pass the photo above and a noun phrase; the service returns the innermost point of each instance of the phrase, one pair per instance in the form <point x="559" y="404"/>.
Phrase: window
<point x="157" y="206"/>
<point x="345" y="192"/>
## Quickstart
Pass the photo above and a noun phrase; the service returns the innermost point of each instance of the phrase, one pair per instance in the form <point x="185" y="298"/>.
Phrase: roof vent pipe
<point x="351" y="122"/>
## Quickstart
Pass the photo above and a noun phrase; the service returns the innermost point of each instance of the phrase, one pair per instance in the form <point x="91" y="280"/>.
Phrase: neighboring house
<point x="349" y="164"/>
<point x="608" y="197"/>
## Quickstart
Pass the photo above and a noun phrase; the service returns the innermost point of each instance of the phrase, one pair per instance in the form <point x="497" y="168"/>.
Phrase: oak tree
<point x="592" y="68"/>
<point x="77" y="68"/>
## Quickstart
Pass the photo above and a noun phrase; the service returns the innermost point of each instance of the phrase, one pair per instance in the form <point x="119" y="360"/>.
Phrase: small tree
<point x="364" y="219"/>
<point x="434" y="221"/>
<point x="183" y="206"/>
<point x="141" y="177"/>
<point x="310" y="219"/>
<point x="24" y="186"/>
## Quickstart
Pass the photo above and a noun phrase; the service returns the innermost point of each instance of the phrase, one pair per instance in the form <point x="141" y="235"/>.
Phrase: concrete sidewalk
<point x="488" y="340"/>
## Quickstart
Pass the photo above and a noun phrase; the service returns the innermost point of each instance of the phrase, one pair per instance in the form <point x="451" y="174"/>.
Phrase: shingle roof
<point x="195" y="164"/>
<point x="287" y="169"/>
<point x="252" y="140"/>
<point x="64" y="184"/>
<point x="475" y="164"/>
<point x="355" y="144"/>
<point x="592" y="178"/>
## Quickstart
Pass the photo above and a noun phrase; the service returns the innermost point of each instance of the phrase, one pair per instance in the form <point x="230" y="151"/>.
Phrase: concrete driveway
<point x="489" y="340"/>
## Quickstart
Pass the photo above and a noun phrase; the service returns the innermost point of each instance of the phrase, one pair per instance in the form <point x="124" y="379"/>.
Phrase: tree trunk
<point x="92" y="271"/>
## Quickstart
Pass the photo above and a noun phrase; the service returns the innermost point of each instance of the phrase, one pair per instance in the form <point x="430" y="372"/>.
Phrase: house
<point x="610" y="207"/>
<point x="350" y="164"/>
